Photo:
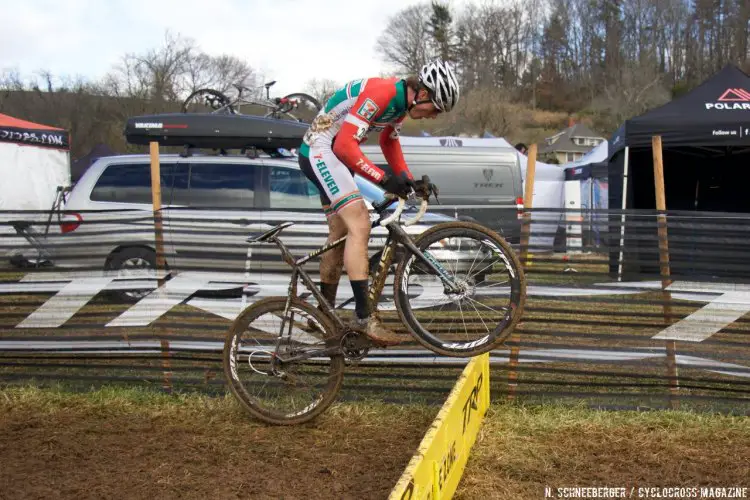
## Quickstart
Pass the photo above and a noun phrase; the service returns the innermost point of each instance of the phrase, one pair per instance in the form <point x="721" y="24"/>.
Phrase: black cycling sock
<point x="329" y="292"/>
<point x="362" y="307"/>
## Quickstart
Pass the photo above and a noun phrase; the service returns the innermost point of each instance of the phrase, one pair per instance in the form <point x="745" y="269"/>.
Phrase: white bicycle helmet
<point x="438" y="77"/>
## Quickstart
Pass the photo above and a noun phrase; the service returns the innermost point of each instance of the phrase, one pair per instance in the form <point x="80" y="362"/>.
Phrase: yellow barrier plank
<point x="436" y="468"/>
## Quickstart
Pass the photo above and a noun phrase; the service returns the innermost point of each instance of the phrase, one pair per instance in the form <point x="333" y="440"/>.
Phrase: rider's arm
<point x="391" y="146"/>
<point x="369" y="105"/>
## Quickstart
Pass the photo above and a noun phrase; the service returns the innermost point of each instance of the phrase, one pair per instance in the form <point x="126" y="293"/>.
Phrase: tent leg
<point x="622" y="217"/>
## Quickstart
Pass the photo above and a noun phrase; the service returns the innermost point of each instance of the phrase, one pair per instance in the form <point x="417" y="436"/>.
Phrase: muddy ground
<point x="201" y="449"/>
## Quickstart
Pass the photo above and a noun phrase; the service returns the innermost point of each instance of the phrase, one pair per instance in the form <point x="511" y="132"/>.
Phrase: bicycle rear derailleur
<point x="355" y="345"/>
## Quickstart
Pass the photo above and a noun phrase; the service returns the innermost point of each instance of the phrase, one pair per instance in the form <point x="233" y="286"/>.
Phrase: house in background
<point x="570" y="144"/>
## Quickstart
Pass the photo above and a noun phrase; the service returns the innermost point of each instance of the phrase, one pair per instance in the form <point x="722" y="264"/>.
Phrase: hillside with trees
<point x="598" y="61"/>
<point x="527" y="67"/>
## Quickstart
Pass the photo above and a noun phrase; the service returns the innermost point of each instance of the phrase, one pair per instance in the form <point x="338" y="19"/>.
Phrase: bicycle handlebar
<point x="423" y="192"/>
<point x="400" y="208"/>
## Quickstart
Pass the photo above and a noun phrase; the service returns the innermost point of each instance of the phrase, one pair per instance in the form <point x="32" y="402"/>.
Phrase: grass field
<point x="135" y="443"/>
<point x="521" y="450"/>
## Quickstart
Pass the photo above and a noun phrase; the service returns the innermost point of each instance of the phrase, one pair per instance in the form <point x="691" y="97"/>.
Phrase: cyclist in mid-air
<point x="330" y="156"/>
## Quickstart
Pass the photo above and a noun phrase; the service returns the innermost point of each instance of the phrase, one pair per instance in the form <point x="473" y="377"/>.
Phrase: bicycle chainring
<point x="355" y="346"/>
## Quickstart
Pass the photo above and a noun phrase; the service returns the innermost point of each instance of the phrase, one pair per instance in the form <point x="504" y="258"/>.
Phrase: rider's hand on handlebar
<point x="400" y="185"/>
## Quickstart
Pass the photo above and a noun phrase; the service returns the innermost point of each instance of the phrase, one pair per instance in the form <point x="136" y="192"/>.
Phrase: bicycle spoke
<point x="280" y="375"/>
<point x="484" y="305"/>
<point x="485" y="267"/>
<point x="462" y="319"/>
<point x="480" y="316"/>
<point x="474" y="261"/>
<point x="483" y="296"/>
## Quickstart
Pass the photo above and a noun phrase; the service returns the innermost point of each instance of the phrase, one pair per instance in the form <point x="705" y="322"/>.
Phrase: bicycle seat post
<point x="268" y="87"/>
<point x="286" y="255"/>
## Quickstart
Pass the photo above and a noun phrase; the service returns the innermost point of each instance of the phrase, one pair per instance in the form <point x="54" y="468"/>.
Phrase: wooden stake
<point x="159" y="244"/>
<point x="156" y="200"/>
<point x="661" y="220"/>
<point x="528" y="196"/>
<point x="166" y="366"/>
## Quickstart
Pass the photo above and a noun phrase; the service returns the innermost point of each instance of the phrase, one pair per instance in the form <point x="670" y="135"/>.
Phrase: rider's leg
<point x="332" y="262"/>
<point x="357" y="220"/>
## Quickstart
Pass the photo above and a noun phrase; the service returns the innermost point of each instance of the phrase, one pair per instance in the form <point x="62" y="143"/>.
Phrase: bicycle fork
<point x="425" y="257"/>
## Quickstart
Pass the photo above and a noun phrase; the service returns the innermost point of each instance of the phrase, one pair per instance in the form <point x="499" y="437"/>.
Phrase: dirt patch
<point x="520" y="451"/>
<point x="114" y="447"/>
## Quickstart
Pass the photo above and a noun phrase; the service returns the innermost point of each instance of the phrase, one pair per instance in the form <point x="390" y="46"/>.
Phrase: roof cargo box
<point x="215" y="131"/>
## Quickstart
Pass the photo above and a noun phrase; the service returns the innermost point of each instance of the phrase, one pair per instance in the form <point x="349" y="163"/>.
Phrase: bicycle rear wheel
<point x="269" y="388"/>
<point x="492" y="290"/>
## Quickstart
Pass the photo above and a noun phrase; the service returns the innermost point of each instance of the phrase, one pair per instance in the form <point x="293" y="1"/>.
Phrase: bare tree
<point x="10" y="81"/>
<point x="199" y="73"/>
<point x="640" y="88"/>
<point x="163" y="68"/>
<point x="221" y="73"/>
<point x="321" y="89"/>
<point x="159" y="79"/>
<point x="404" y="40"/>
<point x="70" y="103"/>
<point x="158" y="74"/>
<point x="612" y="59"/>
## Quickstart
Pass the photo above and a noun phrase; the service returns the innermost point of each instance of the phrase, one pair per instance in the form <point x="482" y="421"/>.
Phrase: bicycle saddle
<point x="20" y="225"/>
<point x="269" y="84"/>
<point x="270" y="233"/>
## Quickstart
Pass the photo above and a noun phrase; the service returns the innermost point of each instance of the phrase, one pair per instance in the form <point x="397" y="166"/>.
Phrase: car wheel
<point x="132" y="263"/>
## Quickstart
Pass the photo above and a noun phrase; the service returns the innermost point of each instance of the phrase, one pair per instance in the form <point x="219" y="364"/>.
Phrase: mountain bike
<point x="287" y="107"/>
<point x="459" y="289"/>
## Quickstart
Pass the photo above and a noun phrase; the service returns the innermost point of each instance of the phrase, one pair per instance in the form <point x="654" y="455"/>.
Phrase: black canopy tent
<point x="706" y="147"/>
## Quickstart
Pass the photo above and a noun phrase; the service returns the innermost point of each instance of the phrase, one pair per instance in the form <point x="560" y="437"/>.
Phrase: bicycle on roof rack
<point x="297" y="106"/>
<point x="458" y="288"/>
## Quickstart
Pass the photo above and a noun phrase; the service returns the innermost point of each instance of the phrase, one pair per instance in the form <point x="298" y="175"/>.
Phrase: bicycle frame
<point x="396" y="235"/>
<point x="266" y="102"/>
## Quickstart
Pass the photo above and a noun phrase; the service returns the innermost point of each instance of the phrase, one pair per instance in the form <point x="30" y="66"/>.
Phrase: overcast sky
<point x="291" y="41"/>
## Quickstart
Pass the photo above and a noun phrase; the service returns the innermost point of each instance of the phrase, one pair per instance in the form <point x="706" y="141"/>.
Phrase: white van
<point x="476" y="182"/>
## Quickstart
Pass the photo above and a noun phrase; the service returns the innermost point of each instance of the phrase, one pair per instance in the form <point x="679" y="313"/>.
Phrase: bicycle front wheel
<point x="275" y="363"/>
<point x="208" y="101"/>
<point x="489" y="295"/>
